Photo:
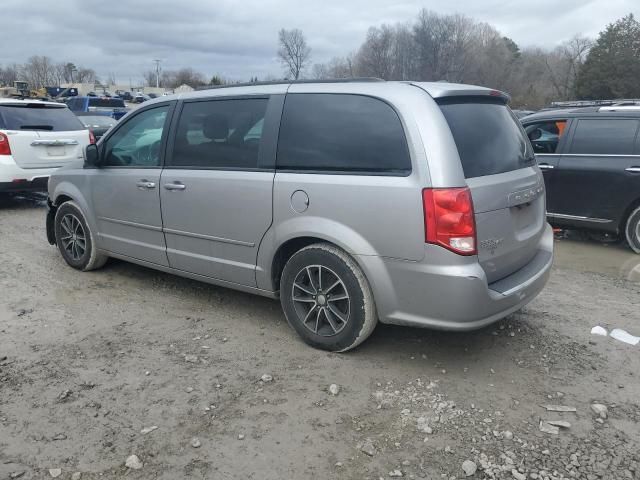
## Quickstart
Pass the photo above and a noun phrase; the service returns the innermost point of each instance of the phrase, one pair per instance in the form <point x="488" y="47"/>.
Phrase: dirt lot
<point x="87" y="361"/>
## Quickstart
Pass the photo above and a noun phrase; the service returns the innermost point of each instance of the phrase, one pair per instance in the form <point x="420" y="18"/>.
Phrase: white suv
<point x="36" y="138"/>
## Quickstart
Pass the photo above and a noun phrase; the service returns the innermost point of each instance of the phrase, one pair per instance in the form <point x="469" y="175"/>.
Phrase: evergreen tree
<point x="612" y="69"/>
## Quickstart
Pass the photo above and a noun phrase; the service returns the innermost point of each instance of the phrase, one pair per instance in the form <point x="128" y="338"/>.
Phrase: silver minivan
<point x="411" y="203"/>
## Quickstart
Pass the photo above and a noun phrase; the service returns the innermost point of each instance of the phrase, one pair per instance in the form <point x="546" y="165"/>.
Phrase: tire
<point x="314" y="275"/>
<point x="632" y="230"/>
<point x="75" y="240"/>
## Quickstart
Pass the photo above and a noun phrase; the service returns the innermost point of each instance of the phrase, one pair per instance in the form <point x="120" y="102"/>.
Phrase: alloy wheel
<point x="74" y="240"/>
<point x="321" y="300"/>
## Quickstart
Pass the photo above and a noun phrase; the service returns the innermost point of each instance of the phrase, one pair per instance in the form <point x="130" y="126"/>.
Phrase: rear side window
<point x="605" y="137"/>
<point x="489" y="138"/>
<point x="341" y="133"/>
<point x="106" y="102"/>
<point x="219" y="134"/>
<point x="39" y="116"/>
<point x="545" y="136"/>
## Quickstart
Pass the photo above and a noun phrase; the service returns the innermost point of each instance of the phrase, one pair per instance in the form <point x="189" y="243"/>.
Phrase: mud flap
<point x="51" y="215"/>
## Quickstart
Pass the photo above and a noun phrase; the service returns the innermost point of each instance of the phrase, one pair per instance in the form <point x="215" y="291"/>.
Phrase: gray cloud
<point x="238" y="39"/>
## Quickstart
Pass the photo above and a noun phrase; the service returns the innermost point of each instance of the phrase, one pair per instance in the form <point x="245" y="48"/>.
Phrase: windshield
<point x="489" y="138"/>
<point x="34" y="116"/>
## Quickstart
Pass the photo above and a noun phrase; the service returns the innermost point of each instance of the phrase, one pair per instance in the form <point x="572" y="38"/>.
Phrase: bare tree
<point x="9" y="74"/>
<point x="564" y="63"/>
<point x="39" y="71"/>
<point x="293" y="52"/>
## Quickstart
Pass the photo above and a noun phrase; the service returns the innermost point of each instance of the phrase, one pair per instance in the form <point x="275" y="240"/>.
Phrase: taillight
<point x="449" y="220"/>
<point x="92" y="138"/>
<point x="5" y="148"/>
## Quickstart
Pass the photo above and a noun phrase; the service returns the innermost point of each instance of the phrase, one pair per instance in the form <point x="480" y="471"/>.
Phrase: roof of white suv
<point x="19" y="101"/>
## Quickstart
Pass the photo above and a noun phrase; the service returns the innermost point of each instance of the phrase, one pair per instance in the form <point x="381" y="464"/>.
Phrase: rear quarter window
<point x="341" y="133"/>
<point x="604" y="136"/>
<point x="39" y="117"/>
<point x="489" y="138"/>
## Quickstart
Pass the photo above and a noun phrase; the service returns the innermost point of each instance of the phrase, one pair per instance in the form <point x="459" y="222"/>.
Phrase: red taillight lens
<point x="5" y="148"/>
<point x="92" y="138"/>
<point x="449" y="220"/>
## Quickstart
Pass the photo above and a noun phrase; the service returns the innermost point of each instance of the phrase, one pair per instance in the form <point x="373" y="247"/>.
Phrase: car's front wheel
<point x="75" y="240"/>
<point x="327" y="299"/>
<point x="632" y="230"/>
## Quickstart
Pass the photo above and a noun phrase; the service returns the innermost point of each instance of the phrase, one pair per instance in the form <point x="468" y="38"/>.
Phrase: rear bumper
<point x="450" y="292"/>
<point x="16" y="179"/>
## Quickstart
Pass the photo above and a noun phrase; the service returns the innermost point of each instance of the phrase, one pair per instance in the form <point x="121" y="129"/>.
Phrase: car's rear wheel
<point x="75" y="239"/>
<point x="632" y="230"/>
<point x="327" y="299"/>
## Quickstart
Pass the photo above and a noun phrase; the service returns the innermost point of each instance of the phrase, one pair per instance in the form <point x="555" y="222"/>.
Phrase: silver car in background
<point x="416" y="204"/>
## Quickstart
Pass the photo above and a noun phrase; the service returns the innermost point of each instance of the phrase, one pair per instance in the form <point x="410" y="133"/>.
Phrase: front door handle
<point x="545" y="166"/>
<point x="145" y="185"/>
<point x="632" y="169"/>
<point x="175" y="186"/>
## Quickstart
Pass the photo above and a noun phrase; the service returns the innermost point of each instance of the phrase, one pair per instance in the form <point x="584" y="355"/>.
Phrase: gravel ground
<point x="92" y="363"/>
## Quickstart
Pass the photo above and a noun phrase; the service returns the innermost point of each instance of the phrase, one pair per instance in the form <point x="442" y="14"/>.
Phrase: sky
<point x="238" y="38"/>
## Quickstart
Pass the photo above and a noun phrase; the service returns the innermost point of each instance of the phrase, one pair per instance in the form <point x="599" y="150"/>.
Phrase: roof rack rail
<point x="595" y="103"/>
<point x="289" y="82"/>
<point x="621" y="108"/>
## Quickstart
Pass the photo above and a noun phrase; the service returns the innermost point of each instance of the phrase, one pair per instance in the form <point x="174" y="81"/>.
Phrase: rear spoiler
<point x="444" y="90"/>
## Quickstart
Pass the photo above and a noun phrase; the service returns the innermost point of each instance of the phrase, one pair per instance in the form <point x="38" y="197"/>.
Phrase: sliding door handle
<point x="545" y="166"/>
<point x="632" y="169"/>
<point x="175" y="186"/>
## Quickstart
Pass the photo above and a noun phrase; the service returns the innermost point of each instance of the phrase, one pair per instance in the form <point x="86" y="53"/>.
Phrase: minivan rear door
<point x="506" y="185"/>
<point x="43" y="135"/>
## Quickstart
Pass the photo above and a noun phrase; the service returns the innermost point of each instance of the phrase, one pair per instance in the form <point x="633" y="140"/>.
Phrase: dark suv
<point x="590" y="158"/>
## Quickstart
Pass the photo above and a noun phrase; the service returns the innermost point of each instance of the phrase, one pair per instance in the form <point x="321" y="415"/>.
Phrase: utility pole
<point x="157" y="62"/>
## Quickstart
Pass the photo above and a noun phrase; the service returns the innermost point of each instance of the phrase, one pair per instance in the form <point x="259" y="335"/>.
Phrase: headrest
<point x="216" y="127"/>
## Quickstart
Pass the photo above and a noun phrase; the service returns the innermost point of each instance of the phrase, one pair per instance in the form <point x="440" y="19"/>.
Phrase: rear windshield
<point x="34" y="116"/>
<point x="106" y="102"/>
<point x="489" y="138"/>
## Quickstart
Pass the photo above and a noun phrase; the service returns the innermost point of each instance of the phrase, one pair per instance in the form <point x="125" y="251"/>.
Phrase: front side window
<point x="137" y="142"/>
<point x="604" y="137"/>
<point x="545" y="136"/>
<point x="341" y="133"/>
<point x="223" y="134"/>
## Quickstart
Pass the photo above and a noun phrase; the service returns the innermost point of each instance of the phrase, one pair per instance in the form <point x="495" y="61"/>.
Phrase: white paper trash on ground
<point x="624" y="336"/>
<point x="598" y="330"/>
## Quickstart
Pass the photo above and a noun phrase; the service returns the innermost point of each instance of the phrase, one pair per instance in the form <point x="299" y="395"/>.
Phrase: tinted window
<point x="219" y="134"/>
<point x="341" y="133"/>
<point x="38" y="116"/>
<point x="489" y="138"/>
<point x="106" y="102"/>
<point x="137" y="142"/>
<point x="545" y="136"/>
<point x="610" y="136"/>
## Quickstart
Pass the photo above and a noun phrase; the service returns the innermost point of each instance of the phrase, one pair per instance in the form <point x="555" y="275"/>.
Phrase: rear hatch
<point x="506" y="187"/>
<point x="42" y="135"/>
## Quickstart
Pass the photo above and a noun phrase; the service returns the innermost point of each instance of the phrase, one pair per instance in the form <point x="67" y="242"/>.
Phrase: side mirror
<point x="92" y="156"/>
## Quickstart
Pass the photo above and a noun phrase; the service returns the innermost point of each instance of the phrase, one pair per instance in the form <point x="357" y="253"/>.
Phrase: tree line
<point x="41" y="71"/>
<point x="456" y="48"/>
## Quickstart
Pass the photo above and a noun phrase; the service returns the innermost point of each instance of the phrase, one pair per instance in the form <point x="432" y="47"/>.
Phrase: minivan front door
<point x="125" y="189"/>
<point x="216" y="188"/>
